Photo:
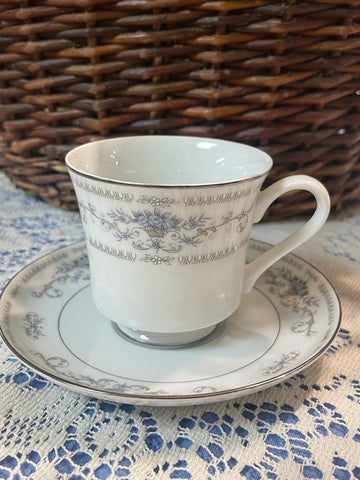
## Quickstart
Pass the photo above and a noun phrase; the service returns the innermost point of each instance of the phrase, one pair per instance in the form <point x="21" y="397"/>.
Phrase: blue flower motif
<point x="168" y="224"/>
<point x="121" y="218"/>
<point x="188" y="240"/>
<point x="299" y="286"/>
<point x="193" y="224"/>
<point x="159" y="223"/>
<point x="143" y="221"/>
<point x="156" y="245"/>
<point x="156" y="221"/>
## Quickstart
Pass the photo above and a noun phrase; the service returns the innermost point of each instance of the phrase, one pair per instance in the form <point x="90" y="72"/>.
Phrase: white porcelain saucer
<point x="48" y="320"/>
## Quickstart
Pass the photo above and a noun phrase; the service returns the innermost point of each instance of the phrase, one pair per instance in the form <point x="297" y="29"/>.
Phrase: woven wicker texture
<point x="282" y="76"/>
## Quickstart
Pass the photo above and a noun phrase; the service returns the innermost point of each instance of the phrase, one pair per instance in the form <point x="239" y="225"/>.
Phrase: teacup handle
<point x="266" y="197"/>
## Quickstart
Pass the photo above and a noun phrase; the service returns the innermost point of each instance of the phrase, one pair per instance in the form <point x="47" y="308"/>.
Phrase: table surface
<point x="305" y="428"/>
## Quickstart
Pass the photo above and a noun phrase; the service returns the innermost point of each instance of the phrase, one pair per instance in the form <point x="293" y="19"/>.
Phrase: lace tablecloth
<point x="307" y="427"/>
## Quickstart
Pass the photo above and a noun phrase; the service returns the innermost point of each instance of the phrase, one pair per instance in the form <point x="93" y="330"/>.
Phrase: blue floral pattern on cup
<point x="155" y="230"/>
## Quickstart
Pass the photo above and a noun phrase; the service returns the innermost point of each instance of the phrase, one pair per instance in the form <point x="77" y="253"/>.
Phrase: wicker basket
<point x="283" y="76"/>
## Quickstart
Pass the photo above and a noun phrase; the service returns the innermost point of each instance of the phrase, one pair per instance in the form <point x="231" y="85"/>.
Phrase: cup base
<point x="164" y="340"/>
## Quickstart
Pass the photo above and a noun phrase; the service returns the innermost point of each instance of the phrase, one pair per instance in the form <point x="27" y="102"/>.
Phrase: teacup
<point x="167" y="221"/>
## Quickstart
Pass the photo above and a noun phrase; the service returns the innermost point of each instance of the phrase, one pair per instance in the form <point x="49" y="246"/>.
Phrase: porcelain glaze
<point x="167" y="222"/>
<point x="49" y="321"/>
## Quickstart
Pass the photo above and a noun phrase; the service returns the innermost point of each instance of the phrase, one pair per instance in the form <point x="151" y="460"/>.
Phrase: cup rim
<point x="113" y="181"/>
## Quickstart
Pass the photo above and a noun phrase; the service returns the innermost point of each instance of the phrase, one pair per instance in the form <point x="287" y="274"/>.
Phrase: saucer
<point x="49" y="321"/>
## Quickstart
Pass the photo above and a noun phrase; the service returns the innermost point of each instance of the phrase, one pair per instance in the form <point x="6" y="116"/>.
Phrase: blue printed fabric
<point x="307" y="427"/>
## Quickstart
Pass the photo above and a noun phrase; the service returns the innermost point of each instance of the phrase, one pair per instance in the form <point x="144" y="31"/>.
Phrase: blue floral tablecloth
<point x="307" y="427"/>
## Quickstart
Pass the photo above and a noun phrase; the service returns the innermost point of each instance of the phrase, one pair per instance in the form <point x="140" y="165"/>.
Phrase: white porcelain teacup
<point x="167" y="221"/>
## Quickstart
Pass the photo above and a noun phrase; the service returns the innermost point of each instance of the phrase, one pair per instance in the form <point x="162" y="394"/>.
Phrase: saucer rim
<point x="165" y="399"/>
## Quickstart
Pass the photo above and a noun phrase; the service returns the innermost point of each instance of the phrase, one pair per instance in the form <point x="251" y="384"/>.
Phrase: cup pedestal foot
<point x="164" y="340"/>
